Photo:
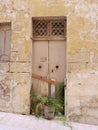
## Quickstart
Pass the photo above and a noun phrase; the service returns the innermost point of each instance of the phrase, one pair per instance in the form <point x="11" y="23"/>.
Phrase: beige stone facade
<point x="82" y="55"/>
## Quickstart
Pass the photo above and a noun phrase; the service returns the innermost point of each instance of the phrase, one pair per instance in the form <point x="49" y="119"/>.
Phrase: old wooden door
<point x="49" y="53"/>
<point x="40" y="66"/>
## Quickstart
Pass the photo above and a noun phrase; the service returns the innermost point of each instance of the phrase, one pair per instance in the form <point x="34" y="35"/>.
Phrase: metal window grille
<point x="5" y="39"/>
<point x="48" y="28"/>
<point x="40" y="28"/>
<point x="57" y="28"/>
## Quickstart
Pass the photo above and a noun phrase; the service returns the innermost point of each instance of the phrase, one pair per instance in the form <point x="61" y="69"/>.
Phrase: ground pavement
<point x="9" y="121"/>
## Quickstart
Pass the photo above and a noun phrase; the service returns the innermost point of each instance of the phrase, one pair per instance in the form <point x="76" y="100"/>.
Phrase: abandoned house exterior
<point x="57" y="39"/>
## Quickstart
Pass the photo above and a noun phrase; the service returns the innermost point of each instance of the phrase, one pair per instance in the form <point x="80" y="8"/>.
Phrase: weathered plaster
<point x="82" y="56"/>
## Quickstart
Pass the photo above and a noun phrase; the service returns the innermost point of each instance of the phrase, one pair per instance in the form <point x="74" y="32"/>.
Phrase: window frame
<point x="6" y="26"/>
<point x="50" y="19"/>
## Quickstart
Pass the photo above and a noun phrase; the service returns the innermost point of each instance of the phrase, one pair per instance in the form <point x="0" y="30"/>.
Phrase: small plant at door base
<point x="65" y="121"/>
<point x="60" y="95"/>
<point x="48" y="107"/>
<point x="41" y="105"/>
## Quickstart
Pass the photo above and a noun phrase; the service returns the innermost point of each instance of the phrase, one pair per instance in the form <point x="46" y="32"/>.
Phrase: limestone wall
<point x="15" y="76"/>
<point x="82" y="55"/>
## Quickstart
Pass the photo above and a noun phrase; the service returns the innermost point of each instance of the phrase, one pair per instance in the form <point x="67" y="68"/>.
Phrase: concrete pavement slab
<point x="10" y="121"/>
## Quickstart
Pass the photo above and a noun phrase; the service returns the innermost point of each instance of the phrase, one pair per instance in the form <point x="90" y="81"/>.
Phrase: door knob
<point x="39" y="66"/>
<point x="57" y="66"/>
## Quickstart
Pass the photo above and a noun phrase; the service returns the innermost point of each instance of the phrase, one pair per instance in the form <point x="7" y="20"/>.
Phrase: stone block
<point x="20" y="84"/>
<point x="21" y="99"/>
<point x="20" y="67"/>
<point x="95" y="59"/>
<point x="76" y="67"/>
<point x="17" y="56"/>
<point x="4" y="67"/>
<point x="76" y="98"/>
<point x="82" y="57"/>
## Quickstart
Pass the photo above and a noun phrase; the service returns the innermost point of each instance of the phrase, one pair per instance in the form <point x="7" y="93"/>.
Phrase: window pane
<point x="5" y="40"/>
<point x="1" y="42"/>
<point x="8" y="41"/>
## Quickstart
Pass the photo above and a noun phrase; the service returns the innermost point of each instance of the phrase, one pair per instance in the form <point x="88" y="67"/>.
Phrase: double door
<point x="49" y="60"/>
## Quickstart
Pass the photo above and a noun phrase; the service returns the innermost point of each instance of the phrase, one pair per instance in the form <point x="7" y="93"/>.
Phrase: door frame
<point x="65" y="38"/>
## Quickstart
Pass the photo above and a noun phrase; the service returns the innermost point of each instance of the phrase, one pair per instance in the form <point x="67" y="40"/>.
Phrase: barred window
<point x="40" y="28"/>
<point x="5" y="40"/>
<point x="49" y="28"/>
<point x="57" y="28"/>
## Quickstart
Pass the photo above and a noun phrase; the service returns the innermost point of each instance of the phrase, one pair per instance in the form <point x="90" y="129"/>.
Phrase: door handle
<point x="57" y="66"/>
<point x="39" y="66"/>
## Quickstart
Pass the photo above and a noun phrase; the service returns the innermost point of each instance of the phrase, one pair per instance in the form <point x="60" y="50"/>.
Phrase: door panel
<point x="57" y="60"/>
<point x="40" y="66"/>
<point x="49" y="61"/>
